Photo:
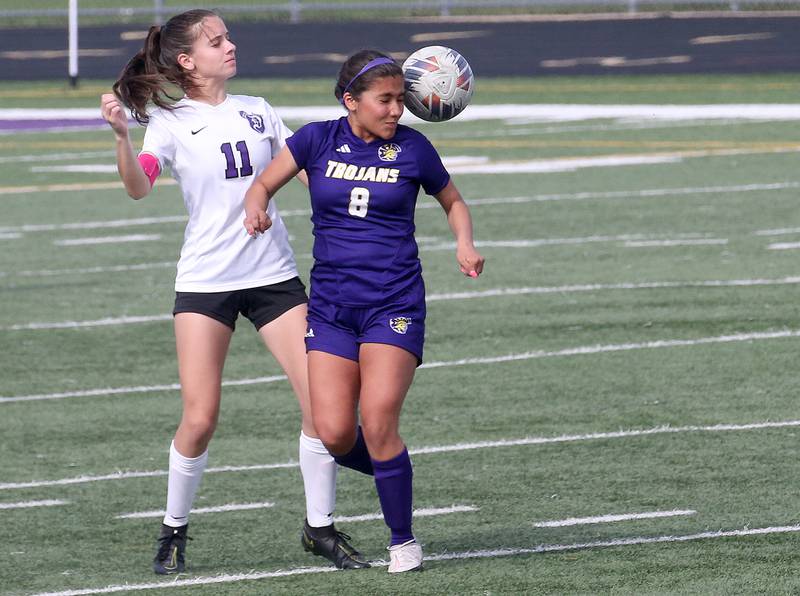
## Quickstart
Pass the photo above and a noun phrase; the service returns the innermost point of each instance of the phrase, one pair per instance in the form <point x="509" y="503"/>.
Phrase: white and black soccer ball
<point x="439" y="83"/>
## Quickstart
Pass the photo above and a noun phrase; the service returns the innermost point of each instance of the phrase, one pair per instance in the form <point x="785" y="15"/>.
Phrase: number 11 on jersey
<point x="231" y="171"/>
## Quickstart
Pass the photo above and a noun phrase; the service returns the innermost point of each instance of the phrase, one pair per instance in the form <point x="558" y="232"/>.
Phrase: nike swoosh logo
<point x="194" y="132"/>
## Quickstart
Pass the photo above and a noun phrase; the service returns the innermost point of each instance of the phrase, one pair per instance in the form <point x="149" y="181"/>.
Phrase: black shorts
<point x="261" y="305"/>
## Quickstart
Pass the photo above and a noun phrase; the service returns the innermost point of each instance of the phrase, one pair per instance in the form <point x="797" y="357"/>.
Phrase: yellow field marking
<point x="78" y="186"/>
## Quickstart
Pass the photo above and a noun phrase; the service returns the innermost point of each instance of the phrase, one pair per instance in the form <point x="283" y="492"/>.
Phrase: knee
<point x="337" y="440"/>
<point x="199" y="427"/>
<point x="378" y="433"/>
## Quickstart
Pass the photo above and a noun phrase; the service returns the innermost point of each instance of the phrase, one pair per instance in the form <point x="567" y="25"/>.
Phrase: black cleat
<point x="169" y="559"/>
<point x="328" y="542"/>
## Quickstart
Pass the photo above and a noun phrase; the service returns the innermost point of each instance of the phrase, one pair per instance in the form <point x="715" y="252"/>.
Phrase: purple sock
<point x="358" y="457"/>
<point x="393" y="481"/>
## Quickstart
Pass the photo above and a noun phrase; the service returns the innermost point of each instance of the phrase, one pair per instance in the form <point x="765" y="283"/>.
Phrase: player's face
<point x="378" y="109"/>
<point x="213" y="54"/>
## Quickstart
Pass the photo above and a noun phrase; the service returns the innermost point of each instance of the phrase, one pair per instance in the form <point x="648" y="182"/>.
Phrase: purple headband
<point x="371" y="64"/>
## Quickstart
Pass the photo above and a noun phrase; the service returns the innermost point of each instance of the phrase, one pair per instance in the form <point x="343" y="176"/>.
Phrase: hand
<point x="114" y="114"/>
<point x="256" y="221"/>
<point x="469" y="260"/>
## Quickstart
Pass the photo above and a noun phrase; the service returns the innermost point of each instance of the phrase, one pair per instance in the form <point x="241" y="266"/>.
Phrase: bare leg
<point x="386" y="375"/>
<point x="284" y="339"/>
<point x="334" y="384"/>
<point x="202" y="344"/>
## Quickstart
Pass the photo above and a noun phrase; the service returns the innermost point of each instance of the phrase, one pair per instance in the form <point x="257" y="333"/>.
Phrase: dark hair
<point x="354" y="64"/>
<point x="144" y="79"/>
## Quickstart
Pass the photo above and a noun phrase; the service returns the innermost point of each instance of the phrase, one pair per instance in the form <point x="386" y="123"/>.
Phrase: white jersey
<point x="215" y="152"/>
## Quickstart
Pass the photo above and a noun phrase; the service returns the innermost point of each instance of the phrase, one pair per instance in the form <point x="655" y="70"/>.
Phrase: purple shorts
<point x="340" y="330"/>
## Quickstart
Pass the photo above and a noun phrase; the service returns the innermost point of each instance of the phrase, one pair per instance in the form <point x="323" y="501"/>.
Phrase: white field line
<point x="218" y="509"/>
<point x="107" y="269"/>
<point x="611" y="518"/>
<point x="95" y="323"/>
<point x="777" y="232"/>
<point x="610" y="348"/>
<point x="74" y="187"/>
<point x="129" y="320"/>
<point x="140" y="389"/>
<point x="667" y="243"/>
<point x="416" y="513"/>
<point x="10" y="236"/>
<point x="784" y="246"/>
<point x="620" y="286"/>
<point x="54" y="157"/>
<point x="97" y="225"/>
<point x="453" y="448"/>
<point x="27" y="504"/>
<point x="87" y="478"/>
<point x="568" y="164"/>
<point x="552" y="112"/>
<point x="478" y="554"/>
<point x="121" y="223"/>
<point x="249" y="506"/>
<point x="534" y="355"/>
<point x="539" y="242"/>
<point x="624" y="194"/>
<point x="107" y="240"/>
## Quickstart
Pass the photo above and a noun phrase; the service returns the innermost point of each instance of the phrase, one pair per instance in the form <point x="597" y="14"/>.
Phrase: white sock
<point x="184" y="478"/>
<point x="319" y="480"/>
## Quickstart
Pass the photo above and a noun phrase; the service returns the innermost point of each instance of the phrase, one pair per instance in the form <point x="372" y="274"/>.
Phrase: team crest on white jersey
<point x="389" y="151"/>
<point x="256" y="121"/>
<point x="400" y="324"/>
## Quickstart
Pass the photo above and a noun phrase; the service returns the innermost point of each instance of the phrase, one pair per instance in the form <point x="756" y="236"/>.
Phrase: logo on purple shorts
<point x="400" y="324"/>
<point x="255" y="121"/>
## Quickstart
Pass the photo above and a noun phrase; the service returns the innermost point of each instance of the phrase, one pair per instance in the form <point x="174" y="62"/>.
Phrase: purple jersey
<point x="363" y="197"/>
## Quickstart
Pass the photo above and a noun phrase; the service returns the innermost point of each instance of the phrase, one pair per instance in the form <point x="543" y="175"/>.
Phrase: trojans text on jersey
<point x="343" y="171"/>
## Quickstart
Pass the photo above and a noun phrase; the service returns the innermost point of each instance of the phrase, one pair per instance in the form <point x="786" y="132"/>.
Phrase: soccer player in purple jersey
<point x="366" y="315"/>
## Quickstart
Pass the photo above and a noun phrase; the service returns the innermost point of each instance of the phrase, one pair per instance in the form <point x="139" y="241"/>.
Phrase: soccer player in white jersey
<point x="214" y="143"/>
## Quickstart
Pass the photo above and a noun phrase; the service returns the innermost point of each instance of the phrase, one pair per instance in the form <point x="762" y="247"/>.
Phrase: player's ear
<point x="185" y="62"/>
<point x="349" y="101"/>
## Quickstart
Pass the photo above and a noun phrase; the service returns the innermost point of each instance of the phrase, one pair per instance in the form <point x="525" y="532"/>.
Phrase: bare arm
<point x="130" y="170"/>
<point x="282" y="169"/>
<point x="460" y="221"/>
<point x="302" y="177"/>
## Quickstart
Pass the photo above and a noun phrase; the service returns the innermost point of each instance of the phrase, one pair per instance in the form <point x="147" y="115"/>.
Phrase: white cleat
<point x="405" y="557"/>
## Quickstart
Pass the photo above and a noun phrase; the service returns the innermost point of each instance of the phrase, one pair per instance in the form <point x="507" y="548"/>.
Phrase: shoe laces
<point x="342" y="536"/>
<point x="165" y="543"/>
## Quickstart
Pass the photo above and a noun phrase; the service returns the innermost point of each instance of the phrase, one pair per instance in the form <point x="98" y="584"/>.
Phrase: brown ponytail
<point x="146" y="77"/>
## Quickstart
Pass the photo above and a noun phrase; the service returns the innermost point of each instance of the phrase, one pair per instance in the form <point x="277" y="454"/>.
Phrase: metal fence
<point x="296" y="10"/>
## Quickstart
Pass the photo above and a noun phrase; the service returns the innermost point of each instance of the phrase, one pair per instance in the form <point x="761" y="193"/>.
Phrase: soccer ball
<point x="439" y="83"/>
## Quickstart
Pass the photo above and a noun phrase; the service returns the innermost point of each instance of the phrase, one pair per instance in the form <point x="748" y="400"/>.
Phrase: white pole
<point x="73" y="43"/>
